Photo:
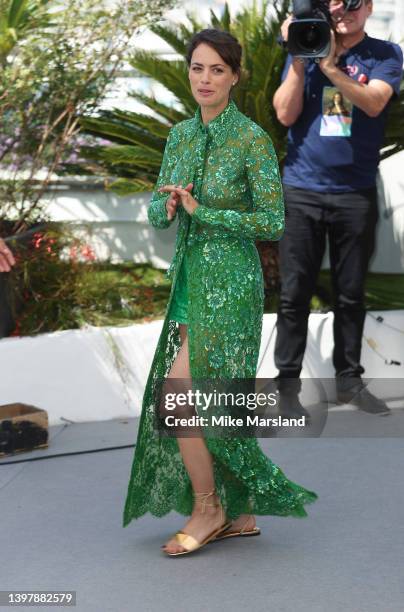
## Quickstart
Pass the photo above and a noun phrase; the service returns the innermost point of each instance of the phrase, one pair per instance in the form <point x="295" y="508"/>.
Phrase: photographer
<point x="330" y="189"/>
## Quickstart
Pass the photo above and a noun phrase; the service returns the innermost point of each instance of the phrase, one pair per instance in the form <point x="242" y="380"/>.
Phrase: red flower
<point x="73" y="253"/>
<point x="38" y="238"/>
<point x="88" y="252"/>
<point x="17" y="330"/>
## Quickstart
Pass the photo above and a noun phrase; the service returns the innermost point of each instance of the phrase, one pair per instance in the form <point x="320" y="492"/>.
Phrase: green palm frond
<point x="23" y="13"/>
<point x="223" y="22"/>
<point x="127" y="154"/>
<point x="144" y="122"/>
<point x="126" y="187"/>
<point x="171" y="36"/>
<point x="121" y="130"/>
<point x="18" y="18"/>
<point x="169" y="113"/>
<point x="172" y="74"/>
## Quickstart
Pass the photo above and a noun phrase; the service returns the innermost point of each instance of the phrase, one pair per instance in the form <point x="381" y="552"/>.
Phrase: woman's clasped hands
<point x="178" y="194"/>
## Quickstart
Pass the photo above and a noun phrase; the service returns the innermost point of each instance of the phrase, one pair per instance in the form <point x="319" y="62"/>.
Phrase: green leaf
<point x="167" y="112"/>
<point x="126" y="187"/>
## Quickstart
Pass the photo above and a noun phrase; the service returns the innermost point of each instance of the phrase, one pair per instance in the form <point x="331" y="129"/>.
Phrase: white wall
<point x="387" y="20"/>
<point x="118" y="229"/>
<point x="96" y="374"/>
<point x="115" y="227"/>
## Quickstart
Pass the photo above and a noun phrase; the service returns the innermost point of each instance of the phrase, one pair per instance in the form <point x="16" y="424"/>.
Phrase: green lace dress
<point x="179" y="305"/>
<point x="219" y="293"/>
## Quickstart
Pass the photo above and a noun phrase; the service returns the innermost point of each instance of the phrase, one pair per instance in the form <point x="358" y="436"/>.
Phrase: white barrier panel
<point x="92" y="374"/>
<point x="97" y="374"/>
<point x="382" y="341"/>
<point x="117" y="228"/>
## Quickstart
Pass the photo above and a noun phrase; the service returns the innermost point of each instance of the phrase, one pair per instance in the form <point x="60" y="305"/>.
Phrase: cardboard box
<point x="22" y="428"/>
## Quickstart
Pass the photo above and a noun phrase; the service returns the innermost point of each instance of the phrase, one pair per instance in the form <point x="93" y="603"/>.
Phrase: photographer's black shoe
<point x="290" y="407"/>
<point x="364" y="400"/>
<point x="289" y="404"/>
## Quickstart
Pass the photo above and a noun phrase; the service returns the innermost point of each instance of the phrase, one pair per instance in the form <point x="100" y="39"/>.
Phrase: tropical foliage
<point x="83" y="292"/>
<point x="138" y="139"/>
<point x="57" y="60"/>
<point x="18" y="19"/>
<point x="133" y="157"/>
<point x="80" y="291"/>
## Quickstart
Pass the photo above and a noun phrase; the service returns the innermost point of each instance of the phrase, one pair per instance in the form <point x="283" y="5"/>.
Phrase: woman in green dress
<point x="220" y="178"/>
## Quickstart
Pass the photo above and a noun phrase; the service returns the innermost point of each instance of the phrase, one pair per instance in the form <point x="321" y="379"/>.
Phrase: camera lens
<point x="311" y="38"/>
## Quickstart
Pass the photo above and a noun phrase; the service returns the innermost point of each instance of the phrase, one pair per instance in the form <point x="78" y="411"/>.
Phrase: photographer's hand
<point x="330" y="62"/>
<point x="285" y="28"/>
<point x="297" y="62"/>
<point x="288" y="98"/>
<point x="371" y="98"/>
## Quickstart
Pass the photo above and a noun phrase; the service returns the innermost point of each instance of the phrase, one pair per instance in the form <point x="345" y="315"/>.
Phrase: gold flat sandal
<point x="225" y="533"/>
<point x="190" y="543"/>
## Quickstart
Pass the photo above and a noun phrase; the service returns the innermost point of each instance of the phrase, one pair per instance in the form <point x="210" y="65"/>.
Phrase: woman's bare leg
<point x="196" y="457"/>
<point x="199" y="465"/>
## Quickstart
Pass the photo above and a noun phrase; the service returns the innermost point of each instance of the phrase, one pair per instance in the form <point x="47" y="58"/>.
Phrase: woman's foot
<point x="207" y="517"/>
<point x="246" y="522"/>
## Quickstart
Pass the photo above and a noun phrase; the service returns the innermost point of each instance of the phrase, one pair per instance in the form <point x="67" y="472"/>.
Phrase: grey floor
<point x="61" y="524"/>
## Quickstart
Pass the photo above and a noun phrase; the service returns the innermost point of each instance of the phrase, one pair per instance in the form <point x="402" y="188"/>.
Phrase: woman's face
<point x="337" y="98"/>
<point x="210" y="78"/>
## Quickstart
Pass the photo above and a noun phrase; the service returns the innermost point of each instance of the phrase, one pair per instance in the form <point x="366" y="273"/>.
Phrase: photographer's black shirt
<point x="334" y="146"/>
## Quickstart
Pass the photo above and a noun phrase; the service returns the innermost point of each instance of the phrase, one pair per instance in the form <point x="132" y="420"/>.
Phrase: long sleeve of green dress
<point x="157" y="212"/>
<point x="233" y="167"/>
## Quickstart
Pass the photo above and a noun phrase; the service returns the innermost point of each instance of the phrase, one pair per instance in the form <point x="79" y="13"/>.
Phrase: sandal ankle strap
<point x="246" y="523"/>
<point x="202" y="497"/>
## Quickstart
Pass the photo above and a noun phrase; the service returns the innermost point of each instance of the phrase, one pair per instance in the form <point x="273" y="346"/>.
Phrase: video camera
<point x="309" y="33"/>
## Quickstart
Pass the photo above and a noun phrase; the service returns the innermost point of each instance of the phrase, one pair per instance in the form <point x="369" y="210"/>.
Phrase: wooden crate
<point x="22" y="428"/>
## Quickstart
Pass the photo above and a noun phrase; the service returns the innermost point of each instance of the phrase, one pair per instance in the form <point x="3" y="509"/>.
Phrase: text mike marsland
<point x="229" y="421"/>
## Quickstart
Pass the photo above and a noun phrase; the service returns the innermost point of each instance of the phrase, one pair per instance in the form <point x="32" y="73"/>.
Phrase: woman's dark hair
<point x="226" y="45"/>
